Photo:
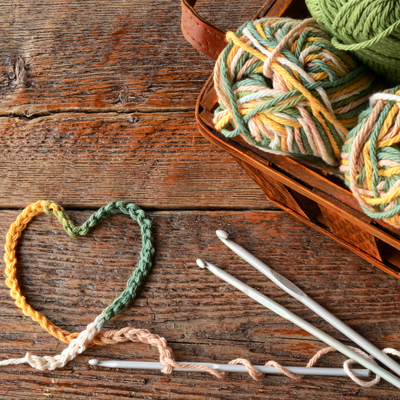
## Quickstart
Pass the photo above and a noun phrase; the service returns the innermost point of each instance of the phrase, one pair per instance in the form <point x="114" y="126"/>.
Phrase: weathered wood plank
<point x="71" y="280"/>
<point x="106" y="56"/>
<point x="103" y="55"/>
<point x="96" y="104"/>
<point x="158" y="160"/>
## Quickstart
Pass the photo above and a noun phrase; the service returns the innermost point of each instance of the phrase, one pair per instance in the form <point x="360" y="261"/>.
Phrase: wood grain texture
<point x="97" y="103"/>
<point x="158" y="160"/>
<point x="100" y="54"/>
<point x="204" y="319"/>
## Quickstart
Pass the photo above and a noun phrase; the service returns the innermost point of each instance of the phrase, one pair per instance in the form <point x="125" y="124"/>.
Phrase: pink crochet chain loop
<point x="168" y="361"/>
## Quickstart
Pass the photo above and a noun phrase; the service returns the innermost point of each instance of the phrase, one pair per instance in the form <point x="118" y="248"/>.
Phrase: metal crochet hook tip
<point x="222" y="234"/>
<point x="290" y="288"/>
<point x="229" y="368"/>
<point x="295" y="319"/>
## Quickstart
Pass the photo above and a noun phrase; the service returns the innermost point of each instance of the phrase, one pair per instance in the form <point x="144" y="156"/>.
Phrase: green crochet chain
<point x="146" y="254"/>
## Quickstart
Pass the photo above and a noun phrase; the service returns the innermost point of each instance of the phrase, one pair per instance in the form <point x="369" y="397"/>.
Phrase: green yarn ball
<point x="370" y="29"/>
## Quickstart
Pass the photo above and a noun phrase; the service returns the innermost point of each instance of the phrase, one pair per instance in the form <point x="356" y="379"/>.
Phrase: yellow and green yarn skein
<point x="368" y="28"/>
<point x="284" y="87"/>
<point x="371" y="158"/>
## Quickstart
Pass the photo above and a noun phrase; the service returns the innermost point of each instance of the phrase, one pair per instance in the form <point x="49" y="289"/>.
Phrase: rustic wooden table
<point x="97" y="101"/>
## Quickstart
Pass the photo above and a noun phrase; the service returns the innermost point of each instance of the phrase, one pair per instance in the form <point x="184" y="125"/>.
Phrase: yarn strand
<point x="76" y="346"/>
<point x="79" y="345"/>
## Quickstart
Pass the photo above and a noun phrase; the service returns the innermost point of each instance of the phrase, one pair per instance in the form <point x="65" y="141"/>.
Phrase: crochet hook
<point x="285" y="313"/>
<point x="230" y="368"/>
<point x="298" y="294"/>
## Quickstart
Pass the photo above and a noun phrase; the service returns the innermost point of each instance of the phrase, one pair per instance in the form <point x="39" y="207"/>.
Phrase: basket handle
<point x="199" y="33"/>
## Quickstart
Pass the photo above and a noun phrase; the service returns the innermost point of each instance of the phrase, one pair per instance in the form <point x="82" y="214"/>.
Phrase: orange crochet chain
<point x="10" y="258"/>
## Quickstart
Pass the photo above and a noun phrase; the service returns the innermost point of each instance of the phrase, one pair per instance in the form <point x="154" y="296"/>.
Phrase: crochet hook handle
<point x="230" y="368"/>
<point x="298" y="294"/>
<point x="295" y="319"/>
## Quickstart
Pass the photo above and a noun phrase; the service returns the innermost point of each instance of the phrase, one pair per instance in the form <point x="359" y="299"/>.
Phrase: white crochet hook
<point x="231" y="368"/>
<point x="298" y="294"/>
<point x="285" y="313"/>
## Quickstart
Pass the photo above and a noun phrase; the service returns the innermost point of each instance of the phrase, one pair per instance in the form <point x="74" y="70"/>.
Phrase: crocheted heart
<point x="52" y="208"/>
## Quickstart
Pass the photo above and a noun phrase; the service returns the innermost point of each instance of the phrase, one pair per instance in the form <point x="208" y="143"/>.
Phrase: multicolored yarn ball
<point x="284" y="87"/>
<point x="368" y="28"/>
<point x="371" y="158"/>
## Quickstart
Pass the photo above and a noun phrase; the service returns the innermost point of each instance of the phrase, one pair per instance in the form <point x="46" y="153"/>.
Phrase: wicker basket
<point x="311" y="193"/>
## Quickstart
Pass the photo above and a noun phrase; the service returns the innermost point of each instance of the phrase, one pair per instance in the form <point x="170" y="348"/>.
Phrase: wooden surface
<point x="97" y="102"/>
